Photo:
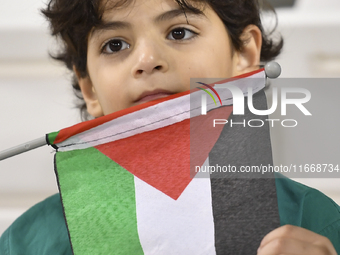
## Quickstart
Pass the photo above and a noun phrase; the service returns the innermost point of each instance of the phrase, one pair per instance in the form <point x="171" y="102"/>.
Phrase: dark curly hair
<point x="73" y="20"/>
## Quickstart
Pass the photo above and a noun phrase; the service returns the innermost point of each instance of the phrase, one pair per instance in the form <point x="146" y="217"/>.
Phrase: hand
<point x="289" y="240"/>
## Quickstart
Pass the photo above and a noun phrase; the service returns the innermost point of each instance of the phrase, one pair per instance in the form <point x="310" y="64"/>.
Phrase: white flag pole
<point x="23" y="148"/>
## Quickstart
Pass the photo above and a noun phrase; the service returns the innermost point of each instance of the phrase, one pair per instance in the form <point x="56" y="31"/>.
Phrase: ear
<point x="248" y="58"/>
<point x="89" y="94"/>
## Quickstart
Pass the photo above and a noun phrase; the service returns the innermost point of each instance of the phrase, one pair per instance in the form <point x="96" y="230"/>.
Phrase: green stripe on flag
<point x="52" y="136"/>
<point x="98" y="197"/>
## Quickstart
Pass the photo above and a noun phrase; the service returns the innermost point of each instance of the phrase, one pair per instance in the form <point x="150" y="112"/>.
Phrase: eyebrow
<point x="178" y="12"/>
<point x="115" y="25"/>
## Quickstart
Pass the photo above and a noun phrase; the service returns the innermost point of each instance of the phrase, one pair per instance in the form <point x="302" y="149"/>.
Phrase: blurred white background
<point x="36" y="96"/>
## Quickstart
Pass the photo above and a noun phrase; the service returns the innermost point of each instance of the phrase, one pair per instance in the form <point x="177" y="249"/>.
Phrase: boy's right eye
<point x="115" y="45"/>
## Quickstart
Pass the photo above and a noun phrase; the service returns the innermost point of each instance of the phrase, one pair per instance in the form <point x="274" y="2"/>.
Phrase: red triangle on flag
<point x="165" y="157"/>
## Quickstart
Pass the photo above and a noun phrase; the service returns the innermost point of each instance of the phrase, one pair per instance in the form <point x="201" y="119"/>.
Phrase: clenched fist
<point x="289" y="240"/>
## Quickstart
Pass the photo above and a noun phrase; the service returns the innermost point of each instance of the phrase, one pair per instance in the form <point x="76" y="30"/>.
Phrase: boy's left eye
<point x="115" y="45"/>
<point x="181" y="34"/>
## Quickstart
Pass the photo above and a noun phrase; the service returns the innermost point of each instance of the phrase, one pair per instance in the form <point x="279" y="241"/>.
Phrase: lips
<point x="153" y="95"/>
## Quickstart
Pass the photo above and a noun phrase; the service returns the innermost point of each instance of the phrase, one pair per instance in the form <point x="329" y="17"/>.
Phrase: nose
<point x="149" y="58"/>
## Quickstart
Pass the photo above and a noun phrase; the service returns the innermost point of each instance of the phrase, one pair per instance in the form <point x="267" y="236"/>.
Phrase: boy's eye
<point x="181" y="34"/>
<point x="115" y="45"/>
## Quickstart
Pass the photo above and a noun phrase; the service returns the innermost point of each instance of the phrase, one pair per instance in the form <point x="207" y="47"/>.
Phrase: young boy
<point x="125" y="53"/>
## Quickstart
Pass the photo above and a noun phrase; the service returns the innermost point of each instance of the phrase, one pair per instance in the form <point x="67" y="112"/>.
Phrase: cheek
<point x="108" y="89"/>
<point x="220" y="60"/>
<point x="212" y="63"/>
<point x="215" y="59"/>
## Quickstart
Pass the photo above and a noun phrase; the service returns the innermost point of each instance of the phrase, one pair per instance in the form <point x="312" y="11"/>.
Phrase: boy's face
<point x="148" y="50"/>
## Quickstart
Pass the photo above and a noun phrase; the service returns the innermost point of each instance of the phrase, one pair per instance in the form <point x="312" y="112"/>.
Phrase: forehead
<point x="122" y="14"/>
<point x="121" y="7"/>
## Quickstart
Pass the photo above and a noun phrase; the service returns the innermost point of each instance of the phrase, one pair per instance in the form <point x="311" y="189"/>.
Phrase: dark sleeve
<point x="309" y="208"/>
<point x="40" y="230"/>
<point x="332" y="232"/>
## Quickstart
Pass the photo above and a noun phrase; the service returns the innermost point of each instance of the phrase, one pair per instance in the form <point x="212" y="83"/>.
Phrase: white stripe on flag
<point x="151" y="118"/>
<point x="183" y="227"/>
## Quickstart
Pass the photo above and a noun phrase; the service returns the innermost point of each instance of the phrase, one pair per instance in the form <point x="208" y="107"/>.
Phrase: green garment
<point x="42" y="229"/>
<point x="39" y="231"/>
<point x="305" y="207"/>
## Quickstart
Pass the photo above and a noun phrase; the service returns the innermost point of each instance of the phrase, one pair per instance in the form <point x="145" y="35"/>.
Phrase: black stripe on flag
<point x="245" y="207"/>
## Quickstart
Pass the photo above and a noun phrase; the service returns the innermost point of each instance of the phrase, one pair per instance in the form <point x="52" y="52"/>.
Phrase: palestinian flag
<point x="128" y="182"/>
